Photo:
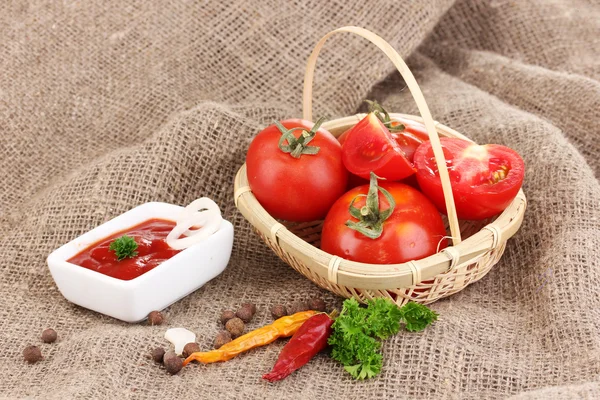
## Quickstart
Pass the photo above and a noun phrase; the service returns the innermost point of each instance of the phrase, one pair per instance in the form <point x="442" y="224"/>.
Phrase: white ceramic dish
<point x="132" y="300"/>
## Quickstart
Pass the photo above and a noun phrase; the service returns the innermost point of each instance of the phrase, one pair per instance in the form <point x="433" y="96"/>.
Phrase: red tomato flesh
<point x="413" y="231"/>
<point x="369" y="147"/>
<point x="152" y="250"/>
<point x="485" y="179"/>
<point x="409" y="139"/>
<point x="296" y="189"/>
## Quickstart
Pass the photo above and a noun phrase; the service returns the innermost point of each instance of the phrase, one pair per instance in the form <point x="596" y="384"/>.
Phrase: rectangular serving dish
<point x="133" y="300"/>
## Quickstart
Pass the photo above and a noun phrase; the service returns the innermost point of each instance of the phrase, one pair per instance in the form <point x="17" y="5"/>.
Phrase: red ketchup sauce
<point x="152" y="250"/>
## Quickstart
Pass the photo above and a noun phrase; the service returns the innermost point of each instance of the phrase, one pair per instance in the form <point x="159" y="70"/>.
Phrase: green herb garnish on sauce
<point x="358" y="332"/>
<point x="124" y="247"/>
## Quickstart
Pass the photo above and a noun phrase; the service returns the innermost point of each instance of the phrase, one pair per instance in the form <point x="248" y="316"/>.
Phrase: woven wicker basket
<point x="477" y="245"/>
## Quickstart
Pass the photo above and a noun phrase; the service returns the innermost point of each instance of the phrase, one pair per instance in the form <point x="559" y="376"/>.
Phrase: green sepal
<point x="370" y="217"/>
<point x="384" y="116"/>
<point x="296" y="147"/>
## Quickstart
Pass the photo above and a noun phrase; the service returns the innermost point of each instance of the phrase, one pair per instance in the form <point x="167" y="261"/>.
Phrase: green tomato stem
<point x="296" y="147"/>
<point x="370" y="217"/>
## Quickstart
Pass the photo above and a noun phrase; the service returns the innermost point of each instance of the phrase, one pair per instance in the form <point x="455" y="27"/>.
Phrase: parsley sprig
<point x="358" y="332"/>
<point x="124" y="247"/>
<point x="417" y="317"/>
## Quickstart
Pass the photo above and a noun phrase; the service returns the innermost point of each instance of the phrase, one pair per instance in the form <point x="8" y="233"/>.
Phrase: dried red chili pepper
<point x="310" y="339"/>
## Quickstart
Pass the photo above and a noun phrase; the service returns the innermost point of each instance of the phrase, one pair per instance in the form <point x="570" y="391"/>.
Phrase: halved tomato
<point x="411" y="137"/>
<point x="370" y="147"/>
<point x="485" y="179"/>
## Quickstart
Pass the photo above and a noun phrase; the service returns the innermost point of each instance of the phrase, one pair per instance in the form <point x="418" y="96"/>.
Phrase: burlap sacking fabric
<point x="106" y="105"/>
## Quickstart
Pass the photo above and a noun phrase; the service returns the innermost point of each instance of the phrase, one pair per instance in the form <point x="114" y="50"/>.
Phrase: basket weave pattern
<point x="428" y="291"/>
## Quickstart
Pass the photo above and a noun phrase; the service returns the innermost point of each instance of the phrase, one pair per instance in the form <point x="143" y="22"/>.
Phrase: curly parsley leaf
<point x="366" y="369"/>
<point x="124" y="247"/>
<point x="358" y="331"/>
<point x="417" y="316"/>
<point x="383" y="318"/>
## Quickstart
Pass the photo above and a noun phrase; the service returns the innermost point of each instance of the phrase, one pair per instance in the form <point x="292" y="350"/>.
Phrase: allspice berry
<point x="49" y="335"/>
<point x="222" y="338"/>
<point x="316" y="304"/>
<point x="296" y="307"/>
<point x="190" y="348"/>
<point x="158" y="354"/>
<point x="155" y="318"/>
<point x="173" y="364"/>
<point x="169" y="354"/>
<point x="278" y="311"/>
<point x="226" y="316"/>
<point x="235" y="326"/>
<point x="251" y="306"/>
<point x="32" y="354"/>
<point x="245" y="314"/>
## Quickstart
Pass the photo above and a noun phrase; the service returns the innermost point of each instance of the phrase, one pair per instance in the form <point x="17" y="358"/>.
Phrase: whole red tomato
<point x="295" y="170"/>
<point x="393" y="223"/>
<point x="485" y="179"/>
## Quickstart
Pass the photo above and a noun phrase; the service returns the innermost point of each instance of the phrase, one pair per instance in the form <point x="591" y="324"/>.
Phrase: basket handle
<point x="418" y="97"/>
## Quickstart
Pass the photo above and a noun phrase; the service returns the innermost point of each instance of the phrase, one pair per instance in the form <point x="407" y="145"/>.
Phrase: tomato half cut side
<point x="369" y="147"/>
<point x="411" y="137"/>
<point x="485" y="179"/>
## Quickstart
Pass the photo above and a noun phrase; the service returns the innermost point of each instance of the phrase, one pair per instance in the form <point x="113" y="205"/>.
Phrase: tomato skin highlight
<point x="413" y="231"/>
<point x="296" y="189"/>
<point x="369" y="147"/>
<point x="485" y="179"/>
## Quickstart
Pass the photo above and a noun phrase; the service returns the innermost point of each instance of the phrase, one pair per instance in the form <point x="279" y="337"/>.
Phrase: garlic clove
<point x="179" y="337"/>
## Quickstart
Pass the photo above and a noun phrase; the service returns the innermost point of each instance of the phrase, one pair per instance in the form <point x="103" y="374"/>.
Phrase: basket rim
<point x="379" y="276"/>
